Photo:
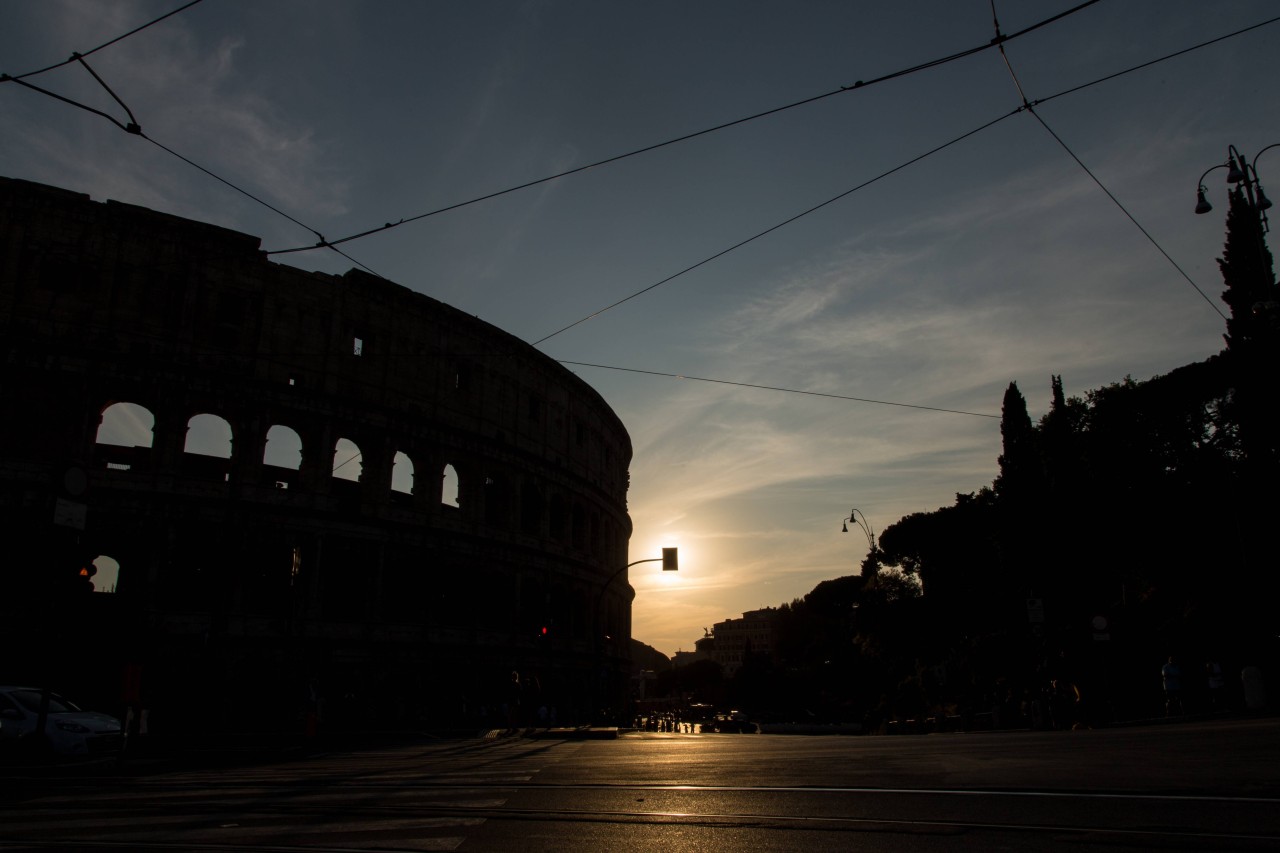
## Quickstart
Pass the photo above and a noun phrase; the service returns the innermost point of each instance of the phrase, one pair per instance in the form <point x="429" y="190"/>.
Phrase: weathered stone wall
<point x="243" y="575"/>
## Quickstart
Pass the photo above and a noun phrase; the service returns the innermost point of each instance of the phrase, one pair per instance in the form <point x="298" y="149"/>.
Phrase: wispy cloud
<point x="189" y="94"/>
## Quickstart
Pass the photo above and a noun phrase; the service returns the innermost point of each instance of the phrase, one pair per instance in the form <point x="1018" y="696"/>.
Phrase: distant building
<point x="268" y="579"/>
<point x="683" y="658"/>
<point x="736" y="640"/>
<point x="702" y="651"/>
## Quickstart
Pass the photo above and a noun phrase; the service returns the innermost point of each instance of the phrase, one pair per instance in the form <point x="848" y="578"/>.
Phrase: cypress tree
<point x="1247" y="271"/>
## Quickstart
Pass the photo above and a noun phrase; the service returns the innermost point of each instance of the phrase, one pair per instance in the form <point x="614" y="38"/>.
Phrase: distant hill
<point x="647" y="657"/>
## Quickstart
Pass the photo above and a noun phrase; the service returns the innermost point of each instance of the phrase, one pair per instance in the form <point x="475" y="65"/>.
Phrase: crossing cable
<point x="250" y="195"/>
<point x="75" y="56"/>
<point x="776" y="388"/>
<point x="1027" y="107"/>
<point x="90" y="329"/>
<point x="781" y="224"/>
<point x="135" y="129"/>
<point x="860" y="84"/>
<point x="1030" y="108"/>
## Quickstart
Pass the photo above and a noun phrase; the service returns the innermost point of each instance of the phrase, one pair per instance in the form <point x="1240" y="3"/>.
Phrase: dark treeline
<point x="1128" y="525"/>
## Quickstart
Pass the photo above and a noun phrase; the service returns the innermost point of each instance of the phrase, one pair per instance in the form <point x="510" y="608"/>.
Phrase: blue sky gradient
<point x="996" y="259"/>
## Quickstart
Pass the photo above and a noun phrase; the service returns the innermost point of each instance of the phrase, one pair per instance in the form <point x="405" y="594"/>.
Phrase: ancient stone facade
<point x="259" y="584"/>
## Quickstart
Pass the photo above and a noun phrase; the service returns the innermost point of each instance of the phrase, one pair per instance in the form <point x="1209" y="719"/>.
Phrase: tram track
<point x="267" y="804"/>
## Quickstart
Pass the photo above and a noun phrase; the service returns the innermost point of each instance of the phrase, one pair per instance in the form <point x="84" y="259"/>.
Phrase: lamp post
<point x="862" y="523"/>
<point x="1240" y="172"/>
<point x="1253" y="335"/>
<point x="670" y="563"/>
<point x="870" y="565"/>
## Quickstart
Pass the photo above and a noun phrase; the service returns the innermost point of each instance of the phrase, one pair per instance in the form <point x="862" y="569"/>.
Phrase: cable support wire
<point x="998" y="40"/>
<point x="76" y="56"/>
<point x="339" y="353"/>
<point x="1126" y="212"/>
<point x="783" y="223"/>
<point x="1028" y="106"/>
<point x="134" y="129"/>
<point x="776" y="388"/>
<point x="1031" y="109"/>
<point x="860" y="84"/>
<point x="253" y="197"/>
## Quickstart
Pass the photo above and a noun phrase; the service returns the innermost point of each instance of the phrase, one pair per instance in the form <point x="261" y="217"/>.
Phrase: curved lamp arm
<point x="862" y="522"/>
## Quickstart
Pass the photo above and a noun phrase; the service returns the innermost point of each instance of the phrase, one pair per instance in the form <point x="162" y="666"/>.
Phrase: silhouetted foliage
<point x="1127" y="524"/>
<point x="1248" y="273"/>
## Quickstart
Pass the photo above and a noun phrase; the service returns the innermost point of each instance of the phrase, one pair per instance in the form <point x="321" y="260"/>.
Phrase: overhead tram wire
<point x="1129" y="215"/>
<point x="1030" y="108"/>
<point x="1026" y="107"/>
<point x="76" y="56"/>
<point x="776" y="388"/>
<point x="134" y="129"/>
<point x="1032" y="104"/>
<point x="319" y="354"/>
<point x="253" y="197"/>
<point x="781" y="224"/>
<point x="860" y="84"/>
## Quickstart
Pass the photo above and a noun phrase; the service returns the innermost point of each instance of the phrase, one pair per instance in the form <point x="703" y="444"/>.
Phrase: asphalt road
<point x="1187" y="786"/>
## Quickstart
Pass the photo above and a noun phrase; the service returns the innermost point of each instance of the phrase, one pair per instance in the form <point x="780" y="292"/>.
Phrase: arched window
<point x="208" y="435"/>
<point x="107" y="575"/>
<point x="346" y="460"/>
<point x="284" y="448"/>
<point x="402" y="474"/>
<point x="449" y="488"/>
<point x="124" y="437"/>
<point x="126" y="425"/>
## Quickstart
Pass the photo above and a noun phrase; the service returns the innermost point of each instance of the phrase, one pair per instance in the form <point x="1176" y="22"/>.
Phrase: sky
<point x="1005" y="256"/>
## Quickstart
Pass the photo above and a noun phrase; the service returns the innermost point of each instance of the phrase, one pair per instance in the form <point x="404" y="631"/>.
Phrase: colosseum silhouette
<point x="391" y="508"/>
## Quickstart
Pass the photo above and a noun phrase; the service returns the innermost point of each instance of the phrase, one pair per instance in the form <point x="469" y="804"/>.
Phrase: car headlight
<point x="74" y="727"/>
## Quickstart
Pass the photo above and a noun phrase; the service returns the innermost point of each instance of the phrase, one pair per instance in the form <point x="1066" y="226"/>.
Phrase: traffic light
<point x="70" y="568"/>
<point x="85" y="576"/>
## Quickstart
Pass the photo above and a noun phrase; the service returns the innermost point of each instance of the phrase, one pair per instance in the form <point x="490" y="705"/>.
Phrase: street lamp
<point x="1239" y="171"/>
<point x="860" y="522"/>
<point x="670" y="563"/>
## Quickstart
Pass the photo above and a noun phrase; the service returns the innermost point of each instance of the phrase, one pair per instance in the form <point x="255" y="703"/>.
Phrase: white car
<point x="68" y="730"/>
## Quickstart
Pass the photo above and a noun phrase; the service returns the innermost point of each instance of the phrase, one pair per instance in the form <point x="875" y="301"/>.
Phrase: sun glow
<point x="652" y="576"/>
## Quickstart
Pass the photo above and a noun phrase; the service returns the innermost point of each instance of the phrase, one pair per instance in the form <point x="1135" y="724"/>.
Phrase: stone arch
<point x="347" y="464"/>
<point x="402" y="473"/>
<point x="208" y="435"/>
<point x="286" y="452"/>
<point x="107" y="576"/>
<point x="125" y="435"/>
<point x="450" y="487"/>
<point x="126" y="424"/>
<point x="282" y="456"/>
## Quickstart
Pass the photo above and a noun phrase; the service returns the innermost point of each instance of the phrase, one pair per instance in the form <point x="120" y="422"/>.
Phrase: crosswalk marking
<point x="398" y="799"/>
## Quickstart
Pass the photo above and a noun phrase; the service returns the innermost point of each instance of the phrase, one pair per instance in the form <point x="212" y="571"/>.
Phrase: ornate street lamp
<point x="862" y="523"/>
<point x="1239" y="171"/>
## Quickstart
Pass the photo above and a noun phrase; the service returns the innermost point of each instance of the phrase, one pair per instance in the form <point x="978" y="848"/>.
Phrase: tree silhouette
<point x="1247" y="272"/>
